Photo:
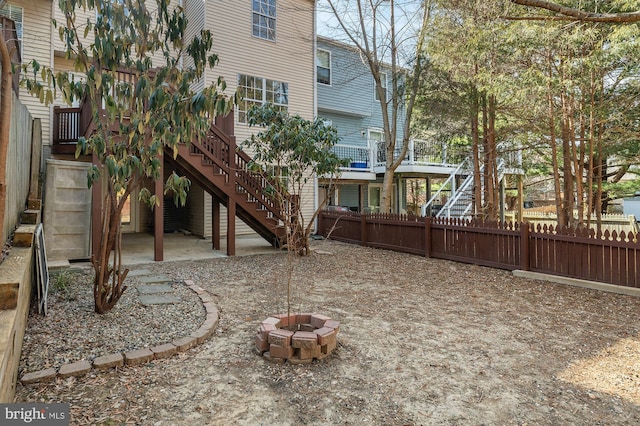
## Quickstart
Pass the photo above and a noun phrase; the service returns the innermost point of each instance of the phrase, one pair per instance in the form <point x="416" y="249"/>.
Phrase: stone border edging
<point x="138" y="356"/>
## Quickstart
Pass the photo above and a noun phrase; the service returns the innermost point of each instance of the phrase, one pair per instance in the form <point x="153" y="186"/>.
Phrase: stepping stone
<point x="156" y="279"/>
<point x="157" y="299"/>
<point x="138" y="272"/>
<point x="154" y="288"/>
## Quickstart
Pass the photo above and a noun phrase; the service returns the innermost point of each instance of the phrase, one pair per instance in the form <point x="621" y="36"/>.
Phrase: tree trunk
<point x="109" y="277"/>
<point x="578" y="165"/>
<point x="491" y="153"/>
<point x="567" y="172"/>
<point x="5" y="124"/>
<point x="487" y="189"/>
<point x="592" y="142"/>
<point x="599" y="176"/>
<point x="554" y="146"/>
<point x="386" y="201"/>
<point x="475" y="149"/>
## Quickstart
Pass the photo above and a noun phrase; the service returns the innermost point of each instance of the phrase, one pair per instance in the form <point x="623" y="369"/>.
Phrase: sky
<point x="407" y="18"/>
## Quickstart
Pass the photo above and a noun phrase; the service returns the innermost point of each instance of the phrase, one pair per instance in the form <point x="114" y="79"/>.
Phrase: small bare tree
<point x="292" y="151"/>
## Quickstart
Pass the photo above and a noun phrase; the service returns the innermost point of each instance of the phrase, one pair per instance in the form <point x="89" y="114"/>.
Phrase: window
<point x="376" y="135"/>
<point x="14" y="13"/>
<point x="108" y="14"/>
<point x="258" y="91"/>
<point x="383" y="83"/>
<point x="264" y="19"/>
<point x="323" y="66"/>
<point x="282" y="174"/>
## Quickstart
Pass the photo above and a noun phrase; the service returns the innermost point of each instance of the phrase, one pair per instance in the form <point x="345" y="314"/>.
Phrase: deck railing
<point x="419" y="153"/>
<point x="66" y="129"/>
<point x="69" y="123"/>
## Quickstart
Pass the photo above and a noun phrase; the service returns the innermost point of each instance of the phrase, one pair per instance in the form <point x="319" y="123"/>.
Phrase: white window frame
<point x="10" y="11"/>
<point x="318" y="66"/>
<point x="384" y="82"/>
<point x="263" y="23"/>
<point x="263" y="90"/>
<point x="372" y="130"/>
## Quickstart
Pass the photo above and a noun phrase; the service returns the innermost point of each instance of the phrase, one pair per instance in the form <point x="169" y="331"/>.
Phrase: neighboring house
<point x="266" y="51"/>
<point x="347" y="99"/>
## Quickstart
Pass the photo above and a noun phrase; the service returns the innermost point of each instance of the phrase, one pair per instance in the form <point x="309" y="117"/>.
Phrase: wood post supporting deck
<point x="231" y="228"/>
<point x="215" y="225"/>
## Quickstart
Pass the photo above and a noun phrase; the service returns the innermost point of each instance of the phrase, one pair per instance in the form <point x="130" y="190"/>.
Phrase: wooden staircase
<point x="223" y="171"/>
<point x="214" y="163"/>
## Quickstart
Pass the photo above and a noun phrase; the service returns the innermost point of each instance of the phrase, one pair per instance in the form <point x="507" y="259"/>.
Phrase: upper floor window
<point x="108" y="14"/>
<point x="323" y="66"/>
<point x="258" y="91"/>
<point x="383" y="83"/>
<point x="264" y="19"/>
<point x="15" y="14"/>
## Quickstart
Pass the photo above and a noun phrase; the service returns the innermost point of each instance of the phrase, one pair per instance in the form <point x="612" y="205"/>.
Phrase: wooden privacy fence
<point x="18" y="172"/>
<point x="612" y="258"/>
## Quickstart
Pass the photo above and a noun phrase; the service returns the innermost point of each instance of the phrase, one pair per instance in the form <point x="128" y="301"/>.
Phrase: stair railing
<point x="464" y="197"/>
<point x="450" y="179"/>
<point x="219" y="149"/>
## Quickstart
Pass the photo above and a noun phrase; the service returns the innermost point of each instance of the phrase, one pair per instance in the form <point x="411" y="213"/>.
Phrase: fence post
<point x="363" y="229"/>
<point x="524" y="246"/>
<point x="427" y="237"/>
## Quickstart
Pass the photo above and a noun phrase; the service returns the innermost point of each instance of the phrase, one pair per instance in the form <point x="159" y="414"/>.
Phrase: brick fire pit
<point x="297" y="338"/>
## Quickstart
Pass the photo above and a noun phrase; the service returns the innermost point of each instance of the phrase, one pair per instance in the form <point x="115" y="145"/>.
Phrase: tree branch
<point x="580" y="15"/>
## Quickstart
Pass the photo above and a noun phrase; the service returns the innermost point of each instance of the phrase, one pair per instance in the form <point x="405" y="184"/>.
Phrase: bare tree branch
<point x="580" y="15"/>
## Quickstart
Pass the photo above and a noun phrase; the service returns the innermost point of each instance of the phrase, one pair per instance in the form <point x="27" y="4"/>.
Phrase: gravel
<point x="72" y="331"/>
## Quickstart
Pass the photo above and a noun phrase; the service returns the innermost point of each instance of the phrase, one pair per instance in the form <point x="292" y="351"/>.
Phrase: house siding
<point x="36" y="44"/>
<point x="351" y="89"/>
<point x="289" y="59"/>
<point x="349" y="101"/>
<point x="195" y="13"/>
<point x="351" y="130"/>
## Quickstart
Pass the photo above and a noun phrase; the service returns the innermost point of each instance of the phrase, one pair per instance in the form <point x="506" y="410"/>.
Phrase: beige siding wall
<point x="36" y="44"/>
<point x="194" y="11"/>
<point x="289" y="59"/>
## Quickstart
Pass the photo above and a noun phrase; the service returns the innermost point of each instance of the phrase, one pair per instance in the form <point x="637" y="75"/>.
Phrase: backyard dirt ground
<point x="422" y="341"/>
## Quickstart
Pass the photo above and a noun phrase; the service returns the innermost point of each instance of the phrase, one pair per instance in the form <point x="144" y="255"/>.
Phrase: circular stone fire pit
<point x="297" y="338"/>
